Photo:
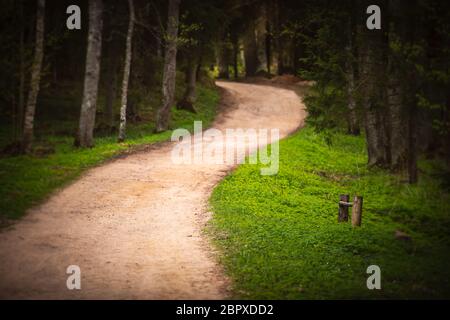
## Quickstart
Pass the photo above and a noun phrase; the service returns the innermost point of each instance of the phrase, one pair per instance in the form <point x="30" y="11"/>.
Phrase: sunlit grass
<point x="280" y="239"/>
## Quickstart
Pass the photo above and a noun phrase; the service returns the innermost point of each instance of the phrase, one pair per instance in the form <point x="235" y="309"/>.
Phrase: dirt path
<point x="134" y="225"/>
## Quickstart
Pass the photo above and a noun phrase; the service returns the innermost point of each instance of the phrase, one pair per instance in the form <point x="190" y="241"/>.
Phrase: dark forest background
<point x="392" y="85"/>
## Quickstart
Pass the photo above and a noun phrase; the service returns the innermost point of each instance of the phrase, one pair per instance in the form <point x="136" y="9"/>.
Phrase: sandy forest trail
<point x="134" y="225"/>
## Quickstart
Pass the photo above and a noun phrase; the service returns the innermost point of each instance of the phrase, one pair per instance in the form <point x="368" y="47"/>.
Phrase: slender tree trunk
<point x="21" y="103"/>
<point x="277" y="38"/>
<point x="169" y="76"/>
<point x="398" y="118"/>
<point x="401" y="92"/>
<point x="198" y="71"/>
<point x="111" y="91"/>
<point x="412" y="144"/>
<point x="223" y="59"/>
<point x="27" y="138"/>
<point x="372" y="51"/>
<point x="250" y="51"/>
<point x="236" y="57"/>
<point x="411" y="10"/>
<point x="126" y="73"/>
<point x="398" y="123"/>
<point x="261" y="39"/>
<point x="159" y="47"/>
<point x="269" y="47"/>
<point x="85" y="136"/>
<point x="189" y="98"/>
<point x="446" y="119"/>
<point x="353" y="125"/>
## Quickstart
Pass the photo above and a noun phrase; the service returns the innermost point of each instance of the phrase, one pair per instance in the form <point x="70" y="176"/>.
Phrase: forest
<point x="90" y="92"/>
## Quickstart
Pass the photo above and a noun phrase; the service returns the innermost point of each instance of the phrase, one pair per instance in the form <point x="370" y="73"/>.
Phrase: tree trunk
<point x="21" y="103"/>
<point x="111" y="91"/>
<point x="353" y="124"/>
<point x="278" y="42"/>
<point x="372" y="51"/>
<point x="170" y="62"/>
<point x="236" y="58"/>
<point x="269" y="48"/>
<point x="398" y="124"/>
<point x="223" y="59"/>
<point x="126" y="73"/>
<point x="412" y="144"/>
<point x="189" y="98"/>
<point x="85" y="136"/>
<point x="401" y="93"/>
<point x="411" y="10"/>
<point x="398" y="128"/>
<point x="261" y="39"/>
<point x="277" y="37"/>
<point x="27" y="138"/>
<point x="250" y="50"/>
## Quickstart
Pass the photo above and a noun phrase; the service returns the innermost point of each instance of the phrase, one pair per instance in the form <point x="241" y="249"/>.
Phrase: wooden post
<point x="357" y="211"/>
<point x="343" y="209"/>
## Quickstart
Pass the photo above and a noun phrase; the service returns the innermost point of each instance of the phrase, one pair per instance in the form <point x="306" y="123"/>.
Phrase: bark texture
<point x="351" y="74"/>
<point x="170" y="62"/>
<point x="398" y="125"/>
<point x="126" y="73"/>
<point x="372" y="65"/>
<point x="261" y="39"/>
<point x="36" y="67"/>
<point x="85" y="136"/>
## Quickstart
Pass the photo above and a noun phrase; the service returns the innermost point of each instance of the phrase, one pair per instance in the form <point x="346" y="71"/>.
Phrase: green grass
<point x="280" y="239"/>
<point x="27" y="180"/>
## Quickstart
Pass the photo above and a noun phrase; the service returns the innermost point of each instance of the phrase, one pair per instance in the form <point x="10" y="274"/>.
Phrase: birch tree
<point x="85" y="136"/>
<point x="126" y="73"/>
<point x="36" y="67"/>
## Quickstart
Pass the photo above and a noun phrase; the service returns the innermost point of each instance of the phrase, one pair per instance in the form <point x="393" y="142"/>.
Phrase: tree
<point x="170" y="62"/>
<point x="351" y="72"/>
<point x="85" y="135"/>
<point x="201" y="25"/>
<point x="372" y="51"/>
<point x="190" y="95"/>
<point x="30" y="108"/>
<point x="395" y="92"/>
<point x="223" y="53"/>
<point x="111" y="45"/>
<point x="126" y="73"/>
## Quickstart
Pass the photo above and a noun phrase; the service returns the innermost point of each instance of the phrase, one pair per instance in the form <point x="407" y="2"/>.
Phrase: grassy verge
<point x="280" y="238"/>
<point x="26" y="180"/>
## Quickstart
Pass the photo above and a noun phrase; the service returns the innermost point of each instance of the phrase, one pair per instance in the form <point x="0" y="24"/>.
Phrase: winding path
<point x="134" y="225"/>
